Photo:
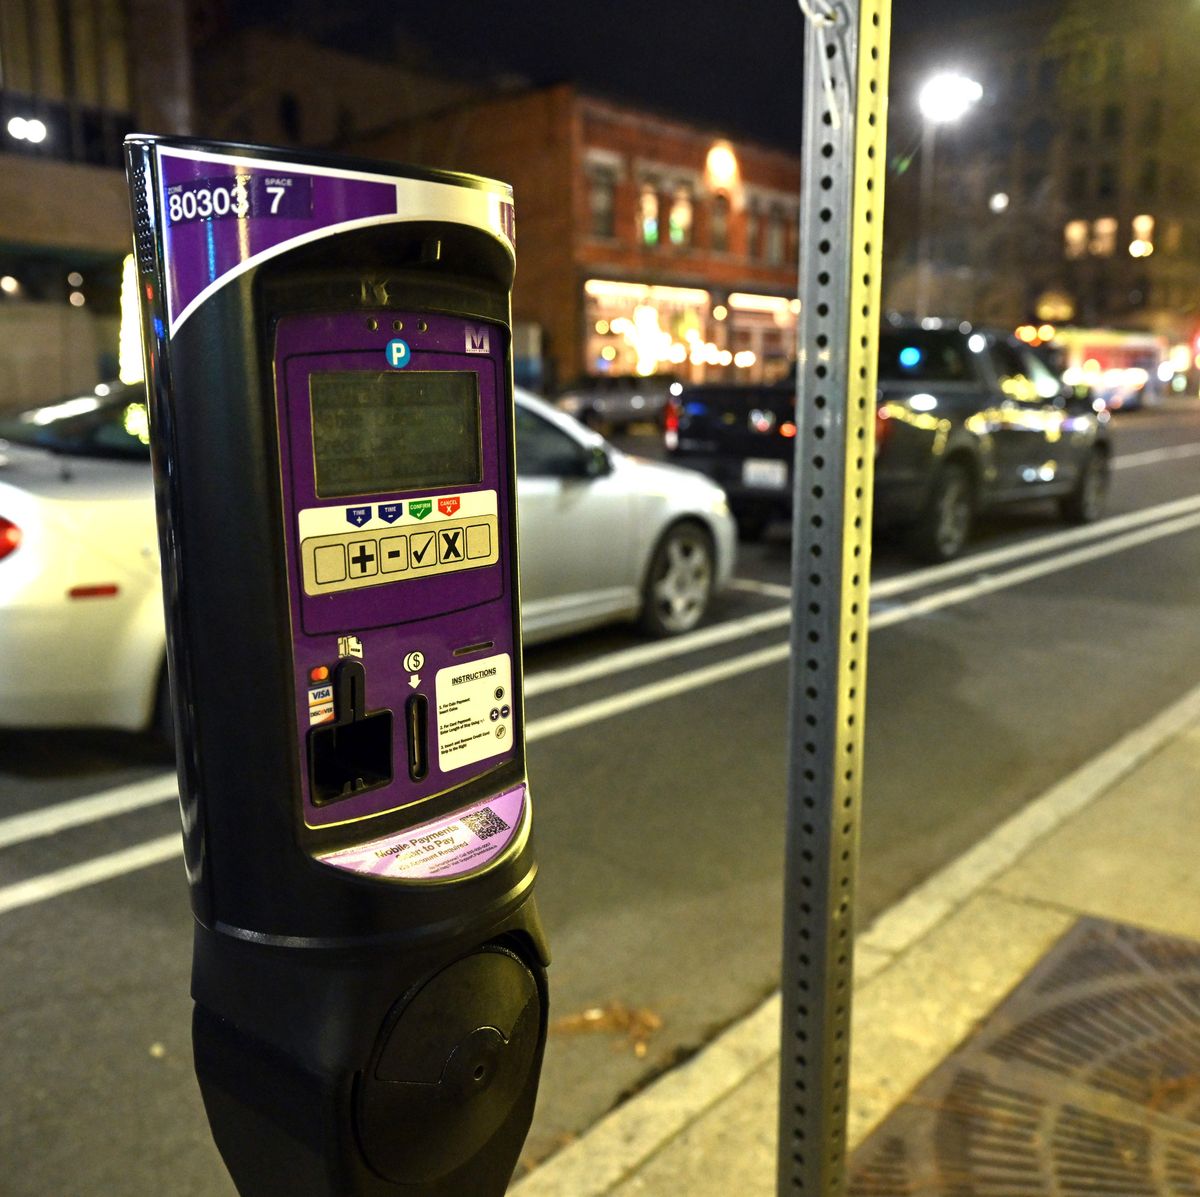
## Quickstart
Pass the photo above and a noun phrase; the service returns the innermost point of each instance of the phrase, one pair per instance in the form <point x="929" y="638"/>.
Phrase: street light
<point x="944" y="98"/>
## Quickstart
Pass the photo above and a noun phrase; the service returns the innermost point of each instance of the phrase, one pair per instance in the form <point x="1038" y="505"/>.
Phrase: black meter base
<point x="444" y="1073"/>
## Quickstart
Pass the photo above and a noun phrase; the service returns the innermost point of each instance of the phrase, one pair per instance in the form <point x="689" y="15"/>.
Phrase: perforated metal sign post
<point x="841" y="234"/>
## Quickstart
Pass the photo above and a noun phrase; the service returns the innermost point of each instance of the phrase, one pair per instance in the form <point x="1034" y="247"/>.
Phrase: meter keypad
<point x="348" y="561"/>
<point x="352" y="547"/>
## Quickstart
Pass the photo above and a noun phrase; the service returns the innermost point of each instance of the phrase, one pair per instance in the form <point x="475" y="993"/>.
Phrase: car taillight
<point x="671" y="424"/>
<point x="10" y="537"/>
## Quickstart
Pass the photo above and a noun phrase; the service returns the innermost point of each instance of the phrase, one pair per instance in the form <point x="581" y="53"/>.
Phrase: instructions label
<point x="447" y="847"/>
<point x="474" y="711"/>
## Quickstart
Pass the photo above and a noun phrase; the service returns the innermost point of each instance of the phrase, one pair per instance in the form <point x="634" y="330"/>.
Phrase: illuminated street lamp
<point x="943" y="99"/>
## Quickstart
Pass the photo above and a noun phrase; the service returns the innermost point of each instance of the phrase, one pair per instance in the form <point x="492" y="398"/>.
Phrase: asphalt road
<point x="657" y="773"/>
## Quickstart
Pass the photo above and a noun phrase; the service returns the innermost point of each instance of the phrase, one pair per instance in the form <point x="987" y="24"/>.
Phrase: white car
<point x="604" y="537"/>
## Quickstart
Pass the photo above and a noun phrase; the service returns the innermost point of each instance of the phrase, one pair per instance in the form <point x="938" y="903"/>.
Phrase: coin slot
<point x="416" y="717"/>
<point x="468" y="649"/>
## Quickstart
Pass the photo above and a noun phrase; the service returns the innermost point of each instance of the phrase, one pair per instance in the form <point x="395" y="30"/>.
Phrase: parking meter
<point x="329" y="372"/>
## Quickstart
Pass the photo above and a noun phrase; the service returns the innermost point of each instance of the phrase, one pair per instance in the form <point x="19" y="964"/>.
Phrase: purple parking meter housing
<point x="330" y="382"/>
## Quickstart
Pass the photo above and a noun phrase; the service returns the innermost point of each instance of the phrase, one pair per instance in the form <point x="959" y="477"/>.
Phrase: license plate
<point x="770" y="475"/>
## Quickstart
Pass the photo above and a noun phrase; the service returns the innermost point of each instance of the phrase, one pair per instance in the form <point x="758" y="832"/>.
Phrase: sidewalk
<point x="1117" y="840"/>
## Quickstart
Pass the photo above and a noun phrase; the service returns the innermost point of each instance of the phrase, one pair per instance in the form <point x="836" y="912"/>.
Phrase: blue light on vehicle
<point x="695" y="409"/>
<point x="910" y="356"/>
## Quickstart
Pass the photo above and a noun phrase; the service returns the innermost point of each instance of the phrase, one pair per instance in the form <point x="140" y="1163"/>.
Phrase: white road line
<point x="722" y="633"/>
<point x="99" y="868"/>
<point x="589" y="713"/>
<point x="19" y="829"/>
<point x="1038" y="569"/>
<point x="647" y="654"/>
<point x="1128" y="461"/>
<point x="978" y="562"/>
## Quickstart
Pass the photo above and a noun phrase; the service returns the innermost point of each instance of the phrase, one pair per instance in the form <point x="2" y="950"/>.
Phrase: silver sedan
<point x="608" y="537"/>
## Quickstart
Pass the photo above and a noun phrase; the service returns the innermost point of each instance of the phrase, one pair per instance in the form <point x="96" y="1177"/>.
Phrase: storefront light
<point x="599" y="288"/>
<point x="721" y="167"/>
<point x="21" y="128"/>
<point x="129" y="345"/>
<point x="9" y="285"/>
<point x="720" y="312"/>
<point x="775" y="305"/>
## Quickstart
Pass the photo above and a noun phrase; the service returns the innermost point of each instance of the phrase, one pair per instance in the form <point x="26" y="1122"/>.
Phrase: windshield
<point x="923" y="356"/>
<point x="113" y="426"/>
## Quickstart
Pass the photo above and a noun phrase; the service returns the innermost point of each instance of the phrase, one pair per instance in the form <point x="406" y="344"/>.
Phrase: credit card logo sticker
<point x="398" y="354"/>
<point x="358" y="515"/>
<point x="390" y="512"/>
<point x="419" y="508"/>
<point x="450" y="505"/>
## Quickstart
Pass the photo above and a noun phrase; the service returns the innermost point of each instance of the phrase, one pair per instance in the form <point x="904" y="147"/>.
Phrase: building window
<point x="289" y="116"/>
<point x="1075" y="239"/>
<point x="720" y="222"/>
<point x="1111" y="121"/>
<point x="1148" y="179"/>
<point x="602" y="201"/>
<point x="775" y="236"/>
<point x="753" y="230"/>
<point x="1077" y="185"/>
<point x="64" y="68"/>
<point x="1152" y="121"/>
<point x="680" y="220"/>
<point x="1106" y="181"/>
<point x="648" y="214"/>
<point x="1104" y="237"/>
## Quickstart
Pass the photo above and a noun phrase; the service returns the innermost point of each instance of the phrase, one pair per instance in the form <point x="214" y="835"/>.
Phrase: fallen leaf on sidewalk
<point x="636" y="1023"/>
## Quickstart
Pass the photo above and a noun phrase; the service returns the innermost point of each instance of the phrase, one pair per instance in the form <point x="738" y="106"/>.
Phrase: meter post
<point x="329" y="372"/>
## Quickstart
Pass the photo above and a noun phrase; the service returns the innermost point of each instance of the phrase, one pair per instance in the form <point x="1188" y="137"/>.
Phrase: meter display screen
<point x="394" y="431"/>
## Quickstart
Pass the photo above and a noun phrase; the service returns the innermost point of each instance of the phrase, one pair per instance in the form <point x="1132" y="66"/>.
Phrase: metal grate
<point x="1085" y="1081"/>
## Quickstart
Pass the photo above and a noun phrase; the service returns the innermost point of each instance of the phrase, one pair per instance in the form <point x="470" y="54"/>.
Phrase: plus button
<point x="362" y="558"/>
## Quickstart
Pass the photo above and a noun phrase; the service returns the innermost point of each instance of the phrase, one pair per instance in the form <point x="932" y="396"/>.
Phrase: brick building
<point x="645" y="245"/>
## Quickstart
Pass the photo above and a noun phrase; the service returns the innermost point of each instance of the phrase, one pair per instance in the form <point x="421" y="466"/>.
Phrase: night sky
<point x="732" y="65"/>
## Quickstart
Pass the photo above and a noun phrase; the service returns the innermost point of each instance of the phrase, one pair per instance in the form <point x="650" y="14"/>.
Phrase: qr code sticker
<point x="485" y="823"/>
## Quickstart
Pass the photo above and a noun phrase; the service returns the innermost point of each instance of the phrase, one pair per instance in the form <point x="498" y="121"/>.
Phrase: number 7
<point x="277" y="194"/>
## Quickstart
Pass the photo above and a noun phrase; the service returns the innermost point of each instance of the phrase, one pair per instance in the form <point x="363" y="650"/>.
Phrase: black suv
<point x="965" y="419"/>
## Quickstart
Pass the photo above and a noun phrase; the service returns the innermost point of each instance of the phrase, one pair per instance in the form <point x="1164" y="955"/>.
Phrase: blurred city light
<point x="9" y="285"/>
<point x="22" y="128"/>
<point x="948" y="97"/>
<point x="998" y="202"/>
<point x="129" y="344"/>
<point x="721" y="167"/>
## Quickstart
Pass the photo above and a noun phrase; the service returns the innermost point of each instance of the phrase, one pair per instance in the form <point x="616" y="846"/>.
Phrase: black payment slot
<point x="329" y="367"/>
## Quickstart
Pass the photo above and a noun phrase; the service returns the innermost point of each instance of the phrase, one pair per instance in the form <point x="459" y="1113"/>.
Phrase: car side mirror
<point x="597" y="463"/>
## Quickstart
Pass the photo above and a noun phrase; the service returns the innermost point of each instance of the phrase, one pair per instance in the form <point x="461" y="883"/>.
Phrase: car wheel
<point x="679" y="582"/>
<point x="942" y="530"/>
<point x="1086" y="503"/>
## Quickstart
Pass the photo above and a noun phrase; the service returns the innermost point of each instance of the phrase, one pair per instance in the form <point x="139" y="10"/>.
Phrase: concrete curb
<point x="630" y="1135"/>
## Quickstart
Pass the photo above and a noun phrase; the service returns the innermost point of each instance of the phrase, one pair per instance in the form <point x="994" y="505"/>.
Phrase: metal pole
<point x="925" y="218"/>
<point x="841" y="232"/>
